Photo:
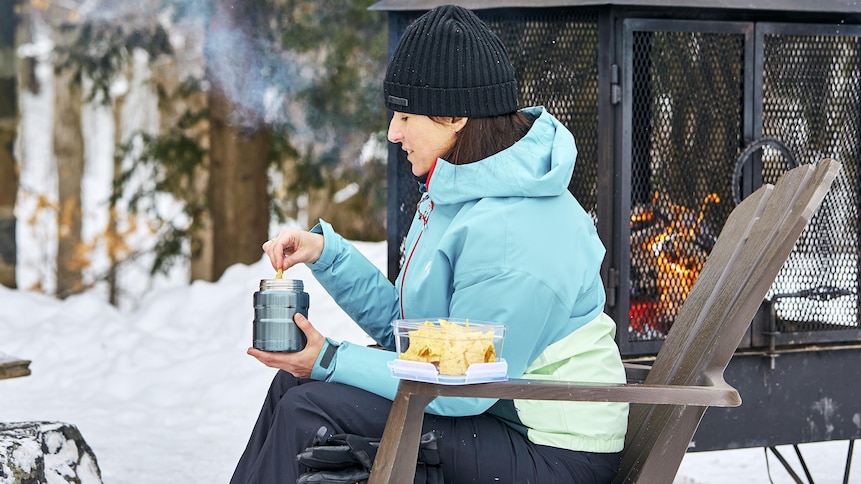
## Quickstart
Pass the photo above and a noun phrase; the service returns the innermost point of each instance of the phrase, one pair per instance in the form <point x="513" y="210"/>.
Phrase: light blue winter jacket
<point x="502" y="240"/>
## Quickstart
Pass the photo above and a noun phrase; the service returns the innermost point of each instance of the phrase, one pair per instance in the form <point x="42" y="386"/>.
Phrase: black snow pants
<point x="479" y="449"/>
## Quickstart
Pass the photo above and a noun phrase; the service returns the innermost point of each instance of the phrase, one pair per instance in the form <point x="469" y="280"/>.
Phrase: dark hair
<point x="483" y="137"/>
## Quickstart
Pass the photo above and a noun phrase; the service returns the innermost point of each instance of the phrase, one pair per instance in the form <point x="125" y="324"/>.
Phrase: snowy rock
<point x="45" y="452"/>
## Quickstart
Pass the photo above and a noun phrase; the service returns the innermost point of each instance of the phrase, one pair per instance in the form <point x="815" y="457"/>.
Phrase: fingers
<point x="299" y="363"/>
<point x="293" y="246"/>
<point x="280" y="250"/>
<point x="311" y="333"/>
<point x="288" y="362"/>
<point x="279" y="247"/>
<point x="262" y="356"/>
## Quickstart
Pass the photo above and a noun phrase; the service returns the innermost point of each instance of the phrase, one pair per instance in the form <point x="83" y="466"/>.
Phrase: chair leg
<point x="399" y="447"/>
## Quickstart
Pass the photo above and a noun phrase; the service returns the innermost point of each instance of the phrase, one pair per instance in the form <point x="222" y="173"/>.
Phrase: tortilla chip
<point x="449" y="346"/>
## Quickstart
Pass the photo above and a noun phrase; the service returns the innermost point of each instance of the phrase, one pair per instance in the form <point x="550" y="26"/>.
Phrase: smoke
<point x="248" y="68"/>
<point x="235" y="43"/>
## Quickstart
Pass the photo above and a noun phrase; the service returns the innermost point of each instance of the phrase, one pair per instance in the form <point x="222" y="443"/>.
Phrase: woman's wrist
<point x="325" y="364"/>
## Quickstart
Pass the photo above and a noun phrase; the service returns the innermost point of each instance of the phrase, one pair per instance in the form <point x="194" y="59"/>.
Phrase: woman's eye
<point x="403" y="119"/>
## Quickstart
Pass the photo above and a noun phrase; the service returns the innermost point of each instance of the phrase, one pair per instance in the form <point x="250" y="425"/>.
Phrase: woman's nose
<point x="394" y="134"/>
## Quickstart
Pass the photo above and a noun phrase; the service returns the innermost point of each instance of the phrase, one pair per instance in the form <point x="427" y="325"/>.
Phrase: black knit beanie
<point x="449" y="63"/>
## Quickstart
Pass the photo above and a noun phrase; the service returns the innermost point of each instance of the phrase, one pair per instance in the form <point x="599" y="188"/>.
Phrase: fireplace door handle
<point x="748" y="151"/>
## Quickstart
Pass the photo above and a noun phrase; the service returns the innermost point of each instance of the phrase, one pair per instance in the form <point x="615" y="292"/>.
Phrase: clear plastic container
<point x="449" y="351"/>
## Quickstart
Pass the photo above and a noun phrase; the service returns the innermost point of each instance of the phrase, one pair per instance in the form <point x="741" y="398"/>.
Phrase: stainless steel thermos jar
<point x="274" y="306"/>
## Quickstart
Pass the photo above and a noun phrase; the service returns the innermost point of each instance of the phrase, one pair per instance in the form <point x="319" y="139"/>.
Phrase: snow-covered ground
<point x="165" y="393"/>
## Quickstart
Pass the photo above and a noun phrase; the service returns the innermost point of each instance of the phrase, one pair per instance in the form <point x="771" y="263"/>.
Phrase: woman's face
<point x="424" y="139"/>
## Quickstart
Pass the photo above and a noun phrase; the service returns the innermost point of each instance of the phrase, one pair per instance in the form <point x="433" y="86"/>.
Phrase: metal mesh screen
<point x="695" y="94"/>
<point x="811" y="99"/>
<point x="687" y="91"/>
<point x="555" y="56"/>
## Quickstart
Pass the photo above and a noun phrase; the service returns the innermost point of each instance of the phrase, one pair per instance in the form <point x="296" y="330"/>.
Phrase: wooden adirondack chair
<point x="668" y="400"/>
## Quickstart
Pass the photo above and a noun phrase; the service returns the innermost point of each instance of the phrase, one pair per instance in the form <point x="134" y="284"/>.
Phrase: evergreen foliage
<point x="319" y="75"/>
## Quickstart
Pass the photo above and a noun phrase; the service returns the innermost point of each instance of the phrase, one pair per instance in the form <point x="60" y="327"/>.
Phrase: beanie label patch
<point x="398" y="101"/>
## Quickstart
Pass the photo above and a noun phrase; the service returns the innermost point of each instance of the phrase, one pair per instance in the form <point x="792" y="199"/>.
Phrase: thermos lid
<point x="281" y="285"/>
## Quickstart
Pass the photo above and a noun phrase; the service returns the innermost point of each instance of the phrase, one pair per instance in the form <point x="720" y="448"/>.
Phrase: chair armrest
<point x="401" y="437"/>
<point x="713" y="393"/>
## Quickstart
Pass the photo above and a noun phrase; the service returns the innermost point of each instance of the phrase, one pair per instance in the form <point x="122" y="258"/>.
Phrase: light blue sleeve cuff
<point x="365" y="367"/>
<point x="332" y="245"/>
<point x="326" y="360"/>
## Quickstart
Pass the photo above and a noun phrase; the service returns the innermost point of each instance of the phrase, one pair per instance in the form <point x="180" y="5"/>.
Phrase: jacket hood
<point x="538" y="165"/>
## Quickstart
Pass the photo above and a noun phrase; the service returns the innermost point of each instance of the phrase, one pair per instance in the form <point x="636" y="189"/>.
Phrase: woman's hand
<point x="298" y="363"/>
<point x="293" y="246"/>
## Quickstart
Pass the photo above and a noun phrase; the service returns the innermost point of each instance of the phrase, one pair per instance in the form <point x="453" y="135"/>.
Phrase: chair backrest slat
<point x="752" y="247"/>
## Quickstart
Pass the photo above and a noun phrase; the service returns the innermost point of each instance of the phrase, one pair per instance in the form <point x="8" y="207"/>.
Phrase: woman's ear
<point x="457" y="124"/>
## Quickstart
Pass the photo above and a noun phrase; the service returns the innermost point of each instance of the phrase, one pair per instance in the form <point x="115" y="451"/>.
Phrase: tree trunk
<point x="237" y="196"/>
<point x="8" y="132"/>
<point x="201" y="265"/>
<point x="112" y="235"/>
<point x="69" y="151"/>
<point x="168" y="76"/>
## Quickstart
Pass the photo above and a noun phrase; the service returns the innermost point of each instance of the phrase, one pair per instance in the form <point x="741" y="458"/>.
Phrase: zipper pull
<point x="424" y="197"/>
<point x="426" y="213"/>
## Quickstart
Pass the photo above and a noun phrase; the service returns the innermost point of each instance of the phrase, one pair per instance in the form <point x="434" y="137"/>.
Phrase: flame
<point x="677" y="257"/>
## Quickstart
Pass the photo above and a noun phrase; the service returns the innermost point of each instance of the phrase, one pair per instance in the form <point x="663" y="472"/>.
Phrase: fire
<point x="669" y="246"/>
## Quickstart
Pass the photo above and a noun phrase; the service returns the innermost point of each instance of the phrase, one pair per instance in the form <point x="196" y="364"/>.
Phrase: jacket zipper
<point x="424" y="216"/>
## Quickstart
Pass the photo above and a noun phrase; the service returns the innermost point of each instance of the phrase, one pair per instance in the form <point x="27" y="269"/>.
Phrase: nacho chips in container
<point x="449" y="350"/>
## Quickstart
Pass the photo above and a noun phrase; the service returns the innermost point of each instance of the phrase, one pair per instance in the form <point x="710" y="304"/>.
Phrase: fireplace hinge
<point x="612" y="286"/>
<point x="615" y="88"/>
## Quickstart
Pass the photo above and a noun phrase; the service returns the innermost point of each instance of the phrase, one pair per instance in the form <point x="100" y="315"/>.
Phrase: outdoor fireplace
<point x="679" y="111"/>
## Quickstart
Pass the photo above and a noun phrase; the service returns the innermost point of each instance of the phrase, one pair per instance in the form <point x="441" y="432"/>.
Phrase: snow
<point x="166" y="394"/>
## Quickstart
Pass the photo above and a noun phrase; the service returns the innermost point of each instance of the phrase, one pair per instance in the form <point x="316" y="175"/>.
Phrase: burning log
<point x="669" y="245"/>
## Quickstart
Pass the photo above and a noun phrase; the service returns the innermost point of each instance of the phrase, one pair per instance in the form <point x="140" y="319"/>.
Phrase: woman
<point x="496" y="237"/>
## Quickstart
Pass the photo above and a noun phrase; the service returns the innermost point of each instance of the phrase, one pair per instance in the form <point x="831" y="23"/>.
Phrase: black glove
<point x="356" y="475"/>
<point x="339" y="451"/>
<point x="348" y="458"/>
